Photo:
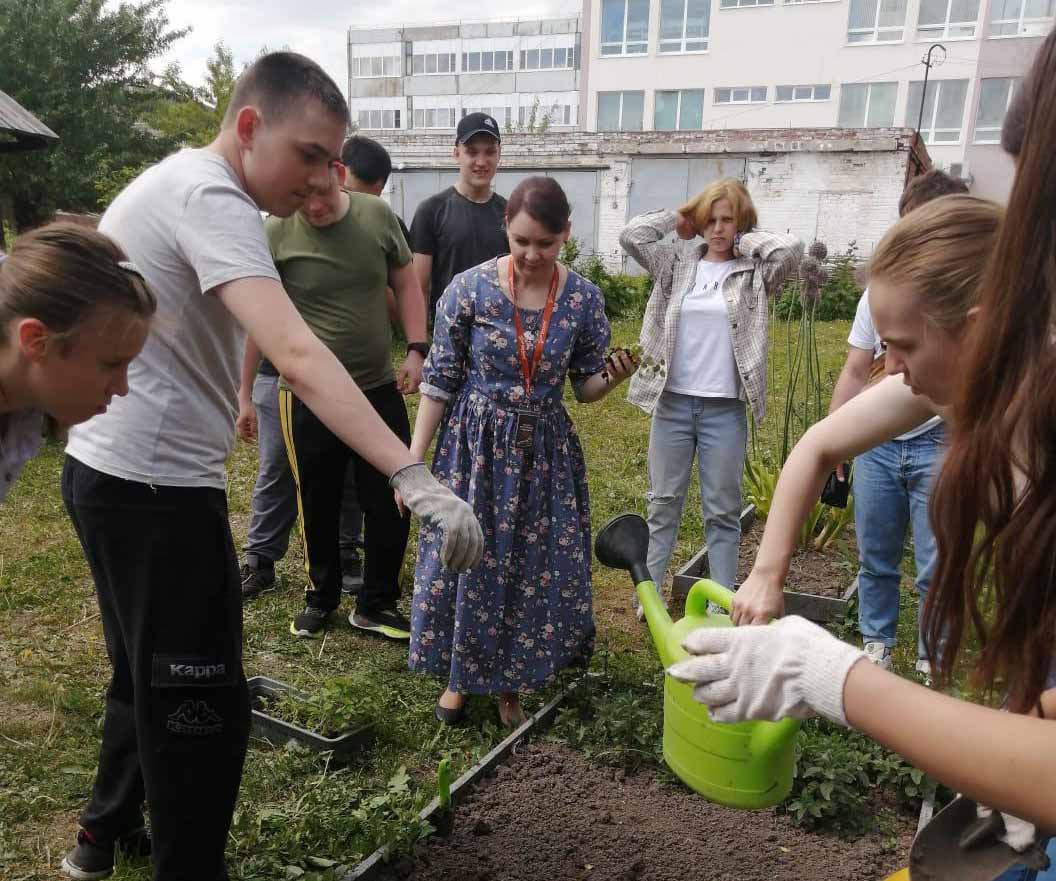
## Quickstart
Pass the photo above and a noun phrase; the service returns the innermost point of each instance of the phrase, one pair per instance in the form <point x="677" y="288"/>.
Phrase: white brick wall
<point x="835" y="185"/>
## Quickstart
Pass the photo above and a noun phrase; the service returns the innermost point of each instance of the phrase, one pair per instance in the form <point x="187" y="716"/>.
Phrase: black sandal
<point x="450" y="716"/>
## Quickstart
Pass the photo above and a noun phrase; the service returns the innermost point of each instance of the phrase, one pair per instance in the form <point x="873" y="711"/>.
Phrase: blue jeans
<point x="892" y="488"/>
<point x="715" y="430"/>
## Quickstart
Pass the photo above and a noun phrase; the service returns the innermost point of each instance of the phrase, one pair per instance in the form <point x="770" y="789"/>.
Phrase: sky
<point x="318" y="29"/>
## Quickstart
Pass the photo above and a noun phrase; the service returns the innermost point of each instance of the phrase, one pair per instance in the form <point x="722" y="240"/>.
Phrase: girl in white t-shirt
<point x="73" y="315"/>
<point x="993" y="510"/>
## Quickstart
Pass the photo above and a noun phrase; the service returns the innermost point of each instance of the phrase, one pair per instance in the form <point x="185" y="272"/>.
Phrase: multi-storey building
<point x="684" y="65"/>
<point x="425" y="79"/>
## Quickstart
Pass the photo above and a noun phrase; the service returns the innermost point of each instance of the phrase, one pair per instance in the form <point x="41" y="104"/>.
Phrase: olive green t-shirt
<point x="336" y="277"/>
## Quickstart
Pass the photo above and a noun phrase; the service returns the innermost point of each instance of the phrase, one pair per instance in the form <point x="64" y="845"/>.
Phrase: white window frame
<point x="622" y="93"/>
<point x="367" y="61"/>
<point x="395" y="118"/>
<point x="733" y="90"/>
<point x="813" y="99"/>
<point x="875" y="30"/>
<point x="929" y="33"/>
<point x="682" y="50"/>
<point x="435" y="56"/>
<point x="807" y="2"/>
<point x="927" y="127"/>
<point x="744" y="4"/>
<point x="623" y="53"/>
<point x="422" y="113"/>
<point x="1025" y="27"/>
<point x="503" y="115"/>
<point x="507" y="57"/>
<point x="868" y="102"/>
<point x="1013" y="84"/>
<point x="678" y="109"/>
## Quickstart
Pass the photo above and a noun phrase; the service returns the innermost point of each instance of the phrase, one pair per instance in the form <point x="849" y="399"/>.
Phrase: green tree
<point x="82" y="68"/>
<point x="191" y="117"/>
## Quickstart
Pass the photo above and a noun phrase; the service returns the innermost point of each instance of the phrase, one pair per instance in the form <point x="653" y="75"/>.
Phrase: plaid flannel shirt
<point x="769" y="259"/>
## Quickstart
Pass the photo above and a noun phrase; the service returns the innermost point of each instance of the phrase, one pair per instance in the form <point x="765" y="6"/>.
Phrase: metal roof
<point x="20" y="129"/>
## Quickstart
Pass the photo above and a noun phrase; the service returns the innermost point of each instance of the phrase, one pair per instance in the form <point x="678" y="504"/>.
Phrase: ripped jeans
<point x="715" y="430"/>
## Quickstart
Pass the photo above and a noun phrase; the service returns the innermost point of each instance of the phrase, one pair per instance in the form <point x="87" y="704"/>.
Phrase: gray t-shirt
<point x="189" y="227"/>
<point x="864" y="336"/>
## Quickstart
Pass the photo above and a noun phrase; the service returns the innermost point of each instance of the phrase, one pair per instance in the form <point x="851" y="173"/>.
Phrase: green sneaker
<point x="382" y="622"/>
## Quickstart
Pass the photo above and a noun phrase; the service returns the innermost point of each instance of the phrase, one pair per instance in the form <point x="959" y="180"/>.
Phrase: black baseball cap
<point x="477" y="124"/>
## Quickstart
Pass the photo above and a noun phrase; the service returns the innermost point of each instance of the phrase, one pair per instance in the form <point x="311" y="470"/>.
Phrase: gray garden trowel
<point x="958" y="845"/>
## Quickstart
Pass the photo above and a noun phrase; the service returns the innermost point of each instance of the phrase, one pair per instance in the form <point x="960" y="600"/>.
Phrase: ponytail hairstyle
<point x="994" y="508"/>
<point x="939" y="251"/>
<point x="543" y="200"/>
<point x="62" y="273"/>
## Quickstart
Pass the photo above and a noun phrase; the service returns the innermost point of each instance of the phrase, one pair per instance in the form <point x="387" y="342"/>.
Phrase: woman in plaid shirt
<point x="706" y="324"/>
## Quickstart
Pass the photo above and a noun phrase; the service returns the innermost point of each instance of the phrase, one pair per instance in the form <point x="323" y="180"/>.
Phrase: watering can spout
<point x="623" y="543"/>
<point x="659" y="621"/>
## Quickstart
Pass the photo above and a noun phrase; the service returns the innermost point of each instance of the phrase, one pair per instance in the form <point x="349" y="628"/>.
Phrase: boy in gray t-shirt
<point x="144" y="483"/>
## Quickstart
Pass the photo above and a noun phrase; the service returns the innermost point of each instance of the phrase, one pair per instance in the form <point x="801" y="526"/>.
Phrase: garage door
<point x="408" y="189"/>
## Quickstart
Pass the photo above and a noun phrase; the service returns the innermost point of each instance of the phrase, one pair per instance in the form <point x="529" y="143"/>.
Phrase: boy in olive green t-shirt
<point x="336" y="257"/>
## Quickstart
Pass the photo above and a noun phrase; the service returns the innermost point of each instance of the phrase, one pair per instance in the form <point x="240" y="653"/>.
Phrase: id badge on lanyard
<point x="524" y="430"/>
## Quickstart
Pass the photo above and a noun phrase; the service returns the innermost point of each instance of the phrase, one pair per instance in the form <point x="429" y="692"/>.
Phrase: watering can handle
<point x="766" y="739"/>
<point x="704" y="590"/>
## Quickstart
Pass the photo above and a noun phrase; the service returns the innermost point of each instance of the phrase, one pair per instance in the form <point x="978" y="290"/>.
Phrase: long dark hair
<point x="994" y="509"/>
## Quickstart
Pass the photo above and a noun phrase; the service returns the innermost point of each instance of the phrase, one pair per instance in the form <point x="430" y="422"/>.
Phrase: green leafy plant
<point x="615" y="717"/>
<point x="803" y="405"/>
<point x="625" y="295"/>
<point x="839" y="294"/>
<point x="835" y="770"/>
<point x="341" y="704"/>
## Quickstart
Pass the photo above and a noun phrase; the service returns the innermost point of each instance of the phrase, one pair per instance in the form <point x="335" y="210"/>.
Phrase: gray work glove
<point x="422" y="493"/>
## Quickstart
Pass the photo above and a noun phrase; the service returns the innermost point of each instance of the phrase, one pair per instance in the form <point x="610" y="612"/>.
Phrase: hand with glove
<point x="1018" y="834"/>
<point x="435" y="503"/>
<point x="789" y="668"/>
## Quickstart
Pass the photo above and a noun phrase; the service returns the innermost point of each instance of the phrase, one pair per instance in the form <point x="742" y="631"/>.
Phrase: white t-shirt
<point x="703" y="363"/>
<point x="189" y="227"/>
<point x="863" y="336"/>
<point x="20" y="440"/>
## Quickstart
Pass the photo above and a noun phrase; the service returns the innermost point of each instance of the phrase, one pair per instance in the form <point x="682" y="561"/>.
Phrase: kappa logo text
<point x="197" y="671"/>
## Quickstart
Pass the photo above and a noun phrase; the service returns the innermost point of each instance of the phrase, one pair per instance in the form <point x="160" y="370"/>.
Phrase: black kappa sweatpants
<point x="177" y="716"/>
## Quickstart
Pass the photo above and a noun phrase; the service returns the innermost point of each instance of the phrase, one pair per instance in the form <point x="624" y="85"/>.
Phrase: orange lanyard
<point x="529" y="368"/>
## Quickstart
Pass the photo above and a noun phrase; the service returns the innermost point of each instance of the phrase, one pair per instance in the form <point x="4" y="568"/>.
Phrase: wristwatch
<point x="421" y="348"/>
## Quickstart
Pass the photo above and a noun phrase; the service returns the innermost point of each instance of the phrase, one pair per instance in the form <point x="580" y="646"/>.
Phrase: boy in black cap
<point x="465" y="224"/>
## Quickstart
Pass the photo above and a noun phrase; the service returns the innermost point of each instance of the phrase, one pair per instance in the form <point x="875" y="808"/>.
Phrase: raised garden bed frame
<point x="816" y="608"/>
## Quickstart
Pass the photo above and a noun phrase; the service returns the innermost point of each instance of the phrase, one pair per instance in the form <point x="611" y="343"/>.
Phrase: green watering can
<point x="743" y="765"/>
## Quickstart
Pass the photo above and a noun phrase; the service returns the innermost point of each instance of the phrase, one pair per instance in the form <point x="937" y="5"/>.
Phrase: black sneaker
<point x="310" y="624"/>
<point x="89" y="861"/>
<point x="351" y="575"/>
<point x="383" y="622"/>
<point x="256" y="579"/>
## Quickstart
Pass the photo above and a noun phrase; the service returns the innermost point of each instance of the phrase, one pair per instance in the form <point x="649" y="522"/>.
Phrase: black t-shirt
<point x="458" y="234"/>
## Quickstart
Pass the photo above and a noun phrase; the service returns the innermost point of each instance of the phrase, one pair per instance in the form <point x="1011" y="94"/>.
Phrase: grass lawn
<point x="296" y="809"/>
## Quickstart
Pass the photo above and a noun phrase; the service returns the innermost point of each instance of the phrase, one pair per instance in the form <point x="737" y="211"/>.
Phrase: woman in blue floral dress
<point x="507" y="334"/>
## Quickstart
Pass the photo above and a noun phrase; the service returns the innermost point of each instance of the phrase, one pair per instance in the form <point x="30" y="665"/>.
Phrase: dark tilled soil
<point x="827" y="573"/>
<point x="549" y="815"/>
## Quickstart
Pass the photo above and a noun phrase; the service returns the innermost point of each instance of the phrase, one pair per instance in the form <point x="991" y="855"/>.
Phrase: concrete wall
<point x="794" y="43"/>
<point x="840" y="186"/>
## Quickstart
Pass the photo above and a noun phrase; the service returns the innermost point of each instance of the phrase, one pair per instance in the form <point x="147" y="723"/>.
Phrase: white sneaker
<point x="879" y="654"/>
<point x="923" y="669"/>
